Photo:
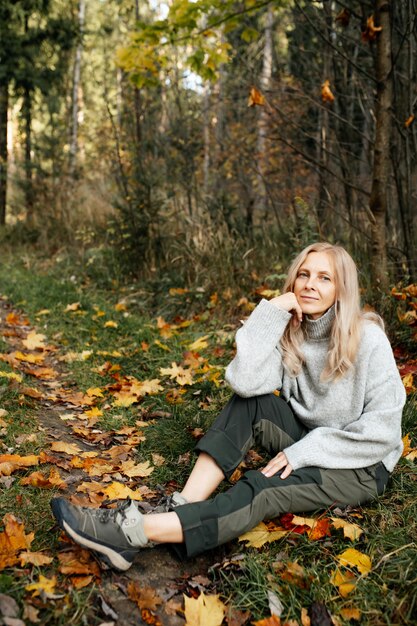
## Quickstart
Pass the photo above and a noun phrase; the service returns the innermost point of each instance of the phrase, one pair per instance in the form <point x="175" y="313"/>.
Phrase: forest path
<point x="75" y="452"/>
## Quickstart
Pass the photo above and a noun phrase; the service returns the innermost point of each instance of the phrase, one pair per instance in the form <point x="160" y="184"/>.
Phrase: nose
<point x="310" y="282"/>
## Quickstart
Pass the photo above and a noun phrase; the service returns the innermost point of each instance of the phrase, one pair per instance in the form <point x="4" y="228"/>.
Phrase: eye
<point x="326" y="278"/>
<point x="302" y="274"/>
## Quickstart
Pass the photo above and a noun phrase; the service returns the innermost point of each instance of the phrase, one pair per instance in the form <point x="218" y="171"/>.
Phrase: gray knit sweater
<point x="353" y="422"/>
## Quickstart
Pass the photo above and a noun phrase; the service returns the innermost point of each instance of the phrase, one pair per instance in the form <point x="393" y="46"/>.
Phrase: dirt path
<point x="156" y="570"/>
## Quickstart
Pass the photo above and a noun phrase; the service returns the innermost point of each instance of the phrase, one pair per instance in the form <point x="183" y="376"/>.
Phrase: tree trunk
<point x="263" y="120"/>
<point x="27" y="116"/>
<point x="4" y="107"/>
<point x="76" y="90"/>
<point x="380" y="176"/>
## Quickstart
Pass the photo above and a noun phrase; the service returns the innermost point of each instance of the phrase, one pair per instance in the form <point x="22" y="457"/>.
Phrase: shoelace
<point x="106" y="515"/>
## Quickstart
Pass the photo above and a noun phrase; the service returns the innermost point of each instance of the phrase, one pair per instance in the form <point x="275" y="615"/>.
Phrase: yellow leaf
<point x="28" y="358"/>
<point x="260" y="535"/>
<point x="94" y="412"/>
<point x="147" y="387"/>
<point x="411" y="455"/>
<point x="134" y="471"/>
<point x="43" y="312"/>
<point x="34" y="341"/>
<point x="13" y="540"/>
<point x="199" y="344"/>
<point x="408" y="383"/>
<point x="351" y="531"/>
<point x="204" y="610"/>
<point x="346" y="581"/>
<point x="95" y="392"/>
<point x="46" y="585"/>
<point x="68" y="448"/>
<point x="353" y="558"/>
<point x="111" y="324"/>
<point x="178" y="373"/>
<point x="161" y="345"/>
<point x="120" y="306"/>
<point x="351" y="613"/>
<point x="72" y="307"/>
<point x="118" y="491"/>
<point x="11" y="375"/>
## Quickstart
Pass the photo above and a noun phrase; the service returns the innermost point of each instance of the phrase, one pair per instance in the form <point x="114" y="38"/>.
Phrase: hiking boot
<point x="115" y="534"/>
<point x="170" y="503"/>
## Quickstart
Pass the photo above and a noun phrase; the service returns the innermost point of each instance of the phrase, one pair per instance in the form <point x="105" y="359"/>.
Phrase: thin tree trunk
<point x="206" y="139"/>
<point x="4" y="107"/>
<point x="380" y="177"/>
<point x="27" y="116"/>
<point x="263" y="120"/>
<point x="76" y="89"/>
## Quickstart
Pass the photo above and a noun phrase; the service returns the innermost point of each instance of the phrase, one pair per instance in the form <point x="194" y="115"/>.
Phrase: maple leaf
<point x="67" y="448"/>
<point x="37" y="479"/>
<point x="28" y="358"/>
<point x="256" y="98"/>
<point x="34" y="341"/>
<point x="95" y="392"/>
<point x="13" y="540"/>
<point x="147" y="387"/>
<point x="11" y="375"/>
<point x="408" y="382"/>
<point x="351" y="531"/>
<point x="78" y="562"/>
<point x="178" y="373"/>
<point x="94" y="412"/>
<point x="260" y="535"/>
<point x="134" y="471"/>
<point x="353" y="558"/>
<point x="14" y="319"/>
<point x="326" y="92"/>
<point x="145" y="597"/>
<point x="118" y="491"/>
<point x="204" y="610"/>
<point x="44" y="586"/>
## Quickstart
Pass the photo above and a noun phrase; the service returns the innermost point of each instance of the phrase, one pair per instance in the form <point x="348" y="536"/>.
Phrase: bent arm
<point x="257" y="367"/>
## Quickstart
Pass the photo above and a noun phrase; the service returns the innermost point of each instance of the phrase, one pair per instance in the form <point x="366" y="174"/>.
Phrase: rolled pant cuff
<point x="222" y="449"/>
<point x="197" y="539"/>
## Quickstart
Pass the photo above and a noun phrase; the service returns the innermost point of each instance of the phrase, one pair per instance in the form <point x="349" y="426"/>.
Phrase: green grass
<point x="386" y="597"/>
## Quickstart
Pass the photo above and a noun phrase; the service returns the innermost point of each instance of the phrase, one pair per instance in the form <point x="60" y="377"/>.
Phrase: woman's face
<point x="315" y="285"/>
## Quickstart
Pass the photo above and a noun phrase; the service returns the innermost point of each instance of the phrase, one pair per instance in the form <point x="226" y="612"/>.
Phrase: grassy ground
<point x="112" y="326"/>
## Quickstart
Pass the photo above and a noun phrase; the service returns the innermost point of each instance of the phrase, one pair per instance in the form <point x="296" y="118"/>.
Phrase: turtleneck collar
<point x="321" y="327"/>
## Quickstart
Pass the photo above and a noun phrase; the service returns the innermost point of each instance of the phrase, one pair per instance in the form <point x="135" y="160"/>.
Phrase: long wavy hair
<point x="346" y="329"/>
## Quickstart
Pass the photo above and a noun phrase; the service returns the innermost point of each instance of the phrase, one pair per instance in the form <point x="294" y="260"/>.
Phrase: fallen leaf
<point x="145" y="597"/>
<point x="38" y="479"/>
<point x="350" y="531"/>
<point x="13" y="540"/>
<point x="353" y="558"/>
<point x="260" y="535"/>
<point x="34" y="341"/>
<point x="345" y="581"/>
<point x="134" y="471"/>
<point x="72" y="307"/>
<point x="349" y="613"/>
<point x="178" y="373"/>
<point x="204" y="610"/>
<point x="34" y="558"/>
<point x="67" y="448"/>
<point x="45" y="585"/>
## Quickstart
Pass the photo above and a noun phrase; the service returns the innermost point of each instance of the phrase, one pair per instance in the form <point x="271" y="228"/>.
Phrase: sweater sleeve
<point x="375" y="436"/>
<point x="257" y="366"/>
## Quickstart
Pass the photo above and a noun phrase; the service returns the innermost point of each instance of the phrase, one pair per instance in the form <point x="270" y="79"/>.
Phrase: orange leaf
<point x="68" y="448"/>
<point x="34" y="558"/>
<point x="145" y="597"/>
<point x="256" y="98"/>
<point x="13" y="540"/>
<point x="351" y="613"/>
<point x="37" y="479"/>
<point x="371" y="31"/>
<point x="409" y="121"/>
<point x="326" y="92"/>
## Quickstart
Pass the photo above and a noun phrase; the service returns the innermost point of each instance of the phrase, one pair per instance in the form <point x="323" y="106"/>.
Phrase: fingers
<point x="288" y="302"/>
<point x="276" y="464"/>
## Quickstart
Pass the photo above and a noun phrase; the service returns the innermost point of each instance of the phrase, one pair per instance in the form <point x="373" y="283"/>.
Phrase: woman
<point x="333" y="433"/>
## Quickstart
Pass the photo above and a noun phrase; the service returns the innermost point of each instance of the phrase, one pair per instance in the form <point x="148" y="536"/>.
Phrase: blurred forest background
<point x="194" y="140"/>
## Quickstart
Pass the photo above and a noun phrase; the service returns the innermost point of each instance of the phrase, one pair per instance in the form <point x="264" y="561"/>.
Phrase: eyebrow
<point x="322" y="272"/>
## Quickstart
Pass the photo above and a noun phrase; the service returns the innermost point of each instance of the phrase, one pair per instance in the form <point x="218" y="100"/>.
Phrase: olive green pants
<point x="267" y="421"/>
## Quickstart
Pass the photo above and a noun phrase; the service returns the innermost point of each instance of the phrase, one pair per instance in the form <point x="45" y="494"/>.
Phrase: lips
<point x="309" y="298"/>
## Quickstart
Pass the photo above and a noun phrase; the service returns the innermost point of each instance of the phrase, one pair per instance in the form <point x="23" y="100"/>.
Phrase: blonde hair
<point x="345" y="333"/>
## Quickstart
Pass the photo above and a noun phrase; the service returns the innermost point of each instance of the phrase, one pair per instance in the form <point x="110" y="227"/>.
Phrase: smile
<point x="309" y="298"/>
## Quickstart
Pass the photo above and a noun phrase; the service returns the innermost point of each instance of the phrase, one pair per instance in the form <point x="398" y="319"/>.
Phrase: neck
<point x="320" y="328"/>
